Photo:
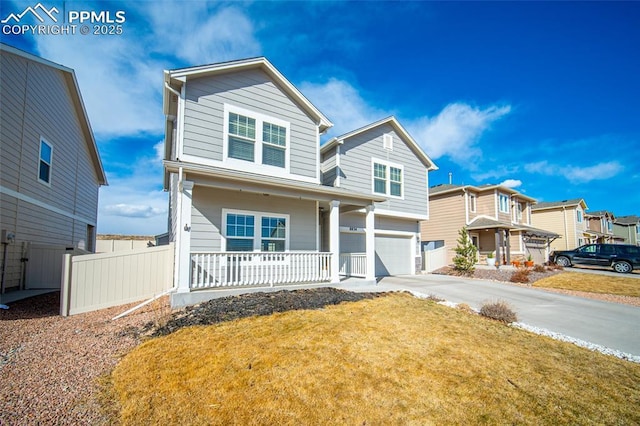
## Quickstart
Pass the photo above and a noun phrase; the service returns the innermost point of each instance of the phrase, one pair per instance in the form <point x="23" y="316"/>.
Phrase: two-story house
<point x="600" y="223"/>
<point x="627" y="228"/>
<point x="497" y="218"/>
<point x="50" y="170"/>
<point x="567" y="219"/>
<point x="248" y="205"/>
<point x="383" y="160"/>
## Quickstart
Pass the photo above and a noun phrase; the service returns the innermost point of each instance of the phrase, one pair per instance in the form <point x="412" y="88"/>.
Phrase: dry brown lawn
<point x="592" y="283"/>
<point x="391" y="360"/>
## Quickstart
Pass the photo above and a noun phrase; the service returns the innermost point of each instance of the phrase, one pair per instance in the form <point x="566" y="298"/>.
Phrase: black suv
<point x="621" y="257"/>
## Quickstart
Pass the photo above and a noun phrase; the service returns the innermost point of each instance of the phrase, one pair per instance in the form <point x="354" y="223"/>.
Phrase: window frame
<point x="41" y="160"/>
<point x="257" y="164"/>
<point x="502" y="196"/>
<point x="579" y="216"/>
<point x="387" y="179"/>
<point x="257" y="229"/>
<point x="473" y="200"/>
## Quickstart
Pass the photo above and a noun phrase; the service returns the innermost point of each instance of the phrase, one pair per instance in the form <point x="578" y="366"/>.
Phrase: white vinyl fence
<point x="98" y="281"/>
<point x="434" y="259"/>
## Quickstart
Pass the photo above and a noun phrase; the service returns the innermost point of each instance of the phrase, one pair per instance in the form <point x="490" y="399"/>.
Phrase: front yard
<point x="389" y="360"/>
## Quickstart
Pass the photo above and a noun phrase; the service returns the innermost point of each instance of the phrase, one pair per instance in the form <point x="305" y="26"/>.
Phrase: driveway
<point x="608" y="324"/>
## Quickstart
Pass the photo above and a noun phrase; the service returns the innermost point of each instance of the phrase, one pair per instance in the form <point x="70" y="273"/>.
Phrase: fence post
<point x="65" y="286"/>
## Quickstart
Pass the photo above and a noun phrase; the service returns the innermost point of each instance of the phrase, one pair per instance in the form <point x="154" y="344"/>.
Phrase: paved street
<point x="608" y="324"/>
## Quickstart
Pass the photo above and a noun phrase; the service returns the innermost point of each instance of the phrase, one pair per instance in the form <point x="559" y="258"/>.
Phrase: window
<point x="274" y="232"/>
<point x="241" y="235"/>
<point x="519" y="208"/>
<point x="240" y="232"/>
<point x="504" y="203"/>
<point x="275" y="143"/>
<point x="256" y="138"/>
<point x="609" y="226"/>
<point x="588" y="249"/>
<point x="387" y="179"/>
<point x="579" y="216"/>
<point x="44" y="165"/>
<point x="472" y="203"/>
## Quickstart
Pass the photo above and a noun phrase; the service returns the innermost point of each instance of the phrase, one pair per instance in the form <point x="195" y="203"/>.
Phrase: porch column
<point x="498" y="244"/>
<point x="370" y="241"/>
<point x="334" y="240"/>
<point x="507" y="235"/>
<point x="184" y="229"/>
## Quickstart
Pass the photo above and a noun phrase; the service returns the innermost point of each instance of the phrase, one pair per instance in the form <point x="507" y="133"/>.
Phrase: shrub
<point x="520" y="275"/>
<point x="432" y="297"/>
<point x="499" y="311"/>
<point x="538" y="268"/>
<point x="465" y="308"/>
<point x="465" y="258"/>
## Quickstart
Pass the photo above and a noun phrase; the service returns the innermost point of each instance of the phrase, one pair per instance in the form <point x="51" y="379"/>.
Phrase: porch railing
<point x="236" y="269"/>
<point x="353" y="264"/>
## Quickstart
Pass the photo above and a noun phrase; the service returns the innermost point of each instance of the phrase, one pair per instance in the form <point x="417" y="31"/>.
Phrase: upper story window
<point x="241" y="232"/>
<point x="579" y="216"/>
<point x="256" y="138"/>
<point x="503" y="203"/>
<point x="387" y="179"/>
<point x="609" y="226"/>
<point x="519" y="208"/>
<point x="44" y="164"/>
<point x="472" y="203"/>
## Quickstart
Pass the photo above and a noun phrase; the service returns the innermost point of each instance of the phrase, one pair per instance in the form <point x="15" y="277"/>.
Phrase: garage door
<point x="393" y="256"/>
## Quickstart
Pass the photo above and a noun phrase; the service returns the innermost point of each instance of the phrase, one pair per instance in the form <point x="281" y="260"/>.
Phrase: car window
<point x="606" y="249"/>
<point x="629" y="250"/>
<point x="587" y="249"/>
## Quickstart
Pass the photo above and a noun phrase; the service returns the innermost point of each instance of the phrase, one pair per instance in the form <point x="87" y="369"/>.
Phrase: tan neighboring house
<point x="566" y="218"/>
<point x="498" y="219"/>
<point x="600" y="223"/>
<point x="50" y="170"/>
<point x="627" y="228"/>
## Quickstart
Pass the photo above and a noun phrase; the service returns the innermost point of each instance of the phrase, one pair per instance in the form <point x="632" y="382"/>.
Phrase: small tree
<point x="465" y="258"/>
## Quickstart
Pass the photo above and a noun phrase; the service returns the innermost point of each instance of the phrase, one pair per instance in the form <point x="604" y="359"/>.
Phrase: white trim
<point x="500" y="194"/>
<point x="50" y="164"/>
<point x="387" y="232"/>
<point x="387" y="141"/>
<point x="247" y="167"/>
<point x="257" y="230"/>
<point x="180" y="122"/>
<point x="258" y="147"/>
<point x="474" y="204"/>
<point x="30" y="200"/>
<point x="318" y="156"/>
<point x="381" y="211"/>
<point x="388" y="165"/>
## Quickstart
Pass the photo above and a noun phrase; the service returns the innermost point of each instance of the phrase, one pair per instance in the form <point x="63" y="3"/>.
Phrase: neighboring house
<point x="50" y="170"/>
<point x="600" y="224"/>
<point x="247" y="201"/>
<point x="627" y="228"/>
<point x="381" y="159"/>
<point x="566" y="218"/>
<point x="498" y="219"/>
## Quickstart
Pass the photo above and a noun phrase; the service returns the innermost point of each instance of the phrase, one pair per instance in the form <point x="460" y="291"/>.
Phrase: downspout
<point x="566" y="228"/>
<point x="171" y="89"/>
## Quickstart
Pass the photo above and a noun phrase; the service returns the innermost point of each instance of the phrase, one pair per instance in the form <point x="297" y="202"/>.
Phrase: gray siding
<point x="206" y="216"/>
<point x="252" y="90"/>
<point x="35" y="102"/>
<point x="355" y="165"/>
<point x="328" y="167"/>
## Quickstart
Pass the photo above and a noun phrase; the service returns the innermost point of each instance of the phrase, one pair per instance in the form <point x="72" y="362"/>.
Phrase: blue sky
<point x="542" y="97"/>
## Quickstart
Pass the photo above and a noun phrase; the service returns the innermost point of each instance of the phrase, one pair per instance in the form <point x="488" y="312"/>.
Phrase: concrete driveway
<point x="611" y="325"/>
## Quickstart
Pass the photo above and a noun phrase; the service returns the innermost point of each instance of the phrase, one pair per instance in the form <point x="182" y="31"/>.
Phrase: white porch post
<point x="184" y="228"/>
<point x="370" y="241"/>
<point x="334" y="240"/>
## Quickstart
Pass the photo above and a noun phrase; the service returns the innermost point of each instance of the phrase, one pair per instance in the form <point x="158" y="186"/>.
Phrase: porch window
<point x="274" y="140"/>
<point x="504" y="203"/>
<point x="274" y="233"/>
<point x="240" y="232"/>
<point x="242" y="137"/>
<point x="44" y="166"/>
<point x="387" y="178"/>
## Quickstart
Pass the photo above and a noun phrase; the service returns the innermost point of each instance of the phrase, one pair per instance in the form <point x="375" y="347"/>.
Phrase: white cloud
<point x="576" y="174"/>
<point x="495" y="172"/>
<point x="511" y="183"/>
<point x="342" y="104"/>
<point x="455" y="131"/>
<point x="131" y="210"/>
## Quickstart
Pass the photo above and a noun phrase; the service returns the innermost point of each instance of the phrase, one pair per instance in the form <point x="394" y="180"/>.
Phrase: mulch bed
<point x="503" y="275"/>
<point x="256" y="304"/>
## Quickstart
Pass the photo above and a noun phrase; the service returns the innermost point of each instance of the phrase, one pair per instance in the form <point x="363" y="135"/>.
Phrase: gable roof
<point x="76" y="98"/>
<point x="402" y="132"/>
<point x="449" y="188"/>
<point x="545" y="205"/>
<point x="627" y="220"/>
<point x="171" y="77"/>
<point x="599" y="213"/>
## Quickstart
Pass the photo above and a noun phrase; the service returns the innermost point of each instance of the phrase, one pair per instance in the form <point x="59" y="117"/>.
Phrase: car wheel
<point x="563" y="261"/>
<point x="622" y="267"/>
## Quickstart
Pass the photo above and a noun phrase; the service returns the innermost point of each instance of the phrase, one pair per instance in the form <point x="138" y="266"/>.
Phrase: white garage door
<point x="393" y="256"/>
